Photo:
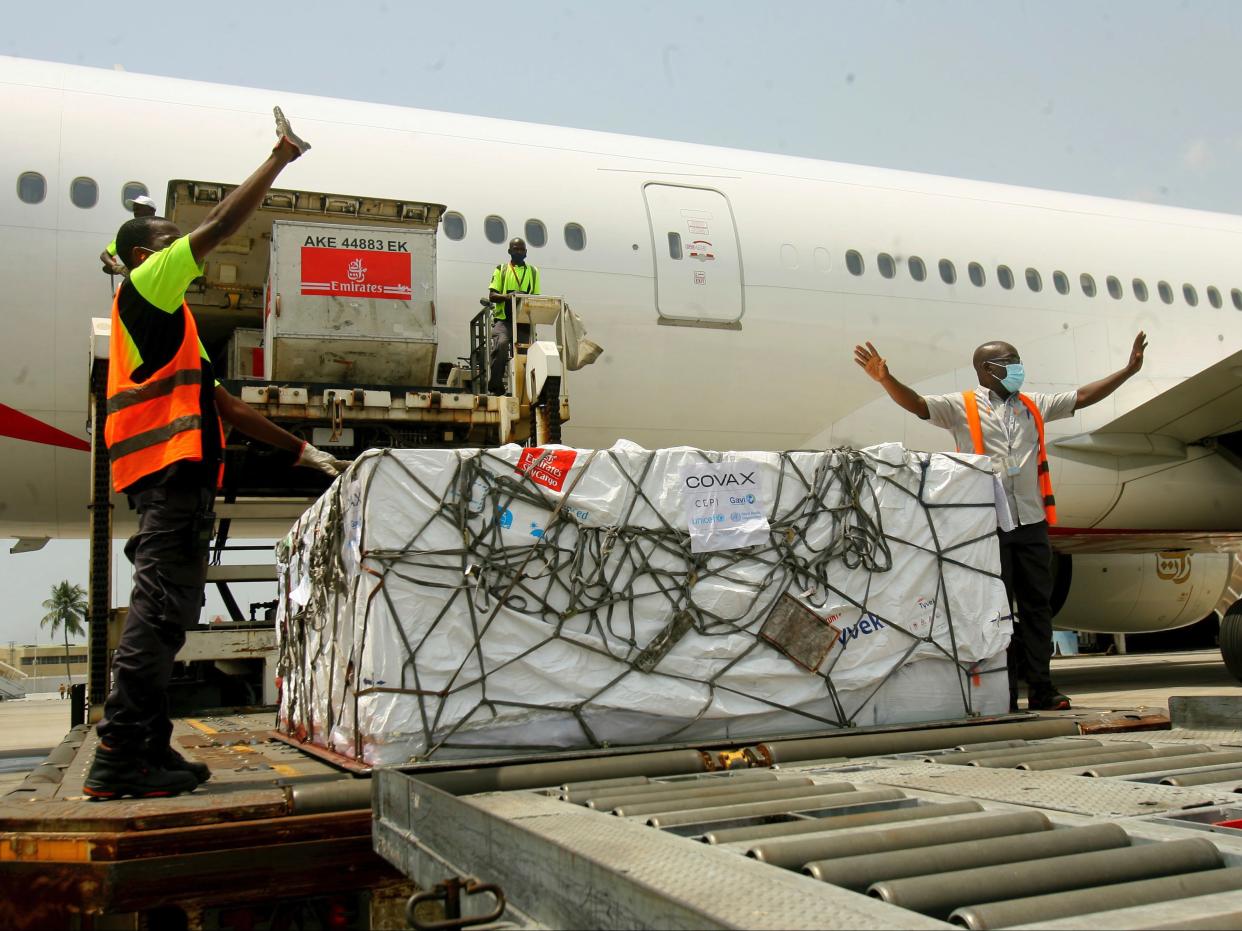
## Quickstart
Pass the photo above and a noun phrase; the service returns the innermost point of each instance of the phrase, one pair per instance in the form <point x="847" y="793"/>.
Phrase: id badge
<point x="1012" y="466"/>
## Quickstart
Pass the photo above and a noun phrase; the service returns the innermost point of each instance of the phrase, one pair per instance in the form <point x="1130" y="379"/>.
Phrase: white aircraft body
<point x="727" y="287"/>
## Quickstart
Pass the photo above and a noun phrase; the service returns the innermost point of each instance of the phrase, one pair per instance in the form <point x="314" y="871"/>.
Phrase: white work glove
<point x="325" y="462"/>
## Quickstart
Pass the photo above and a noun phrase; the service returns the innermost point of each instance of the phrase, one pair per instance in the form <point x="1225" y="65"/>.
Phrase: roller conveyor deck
<point x="996" y="833"/>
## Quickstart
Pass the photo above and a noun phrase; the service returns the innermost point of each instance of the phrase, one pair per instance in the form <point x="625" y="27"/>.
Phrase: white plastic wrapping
<point x="436" y="604"/>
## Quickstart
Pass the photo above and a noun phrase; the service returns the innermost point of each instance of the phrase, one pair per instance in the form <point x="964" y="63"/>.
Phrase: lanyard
<point x="521" y="285"/>
<point x="1008" y="421"/>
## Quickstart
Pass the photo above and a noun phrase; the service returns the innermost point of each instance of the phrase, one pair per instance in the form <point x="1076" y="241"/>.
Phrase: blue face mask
<point x="1015" y="374"/>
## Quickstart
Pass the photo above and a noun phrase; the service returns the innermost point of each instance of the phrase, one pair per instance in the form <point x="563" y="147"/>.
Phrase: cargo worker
<point x="997" y="419"/>
<point x="514" y="278"/>
<point x="165" y="437"/>
<point x="143" y="206"/>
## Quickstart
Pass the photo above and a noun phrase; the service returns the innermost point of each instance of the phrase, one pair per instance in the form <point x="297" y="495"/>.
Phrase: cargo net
<point x="444" y="603"/>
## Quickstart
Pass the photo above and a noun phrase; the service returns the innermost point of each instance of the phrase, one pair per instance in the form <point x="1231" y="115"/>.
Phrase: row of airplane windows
<point x="497" y="231"/>
<point x="886" y="265"/>
<point x="84" y="193"/>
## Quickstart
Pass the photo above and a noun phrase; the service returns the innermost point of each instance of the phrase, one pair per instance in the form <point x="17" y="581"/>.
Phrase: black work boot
<point x="1050" y="700"/>
<point x="115" y="774"/>
<point x="174" y="762"/>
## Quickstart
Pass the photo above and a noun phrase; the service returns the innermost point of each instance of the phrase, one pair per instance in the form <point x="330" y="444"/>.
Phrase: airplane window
<point x="1033" y="280"/>
<point x="674" y="245"/>
<point x="977" y="278"/>
<point x="1214" y="297"/>
<point x="84" y="192"/>
<point x="31" y="187"/>
<point x="1139" y="287"/>
<point x="1236" y="296"/>
<point x="1114" y="287"/>
<point x="1087" y="283"/>
<point x="854" y="262"/>
<point x="129" y="191"/>
<point x="455" y="226"/>
<point x="1060" y="282"/>
<point x="948" y="274"/>
<point x="918" y="271"/>
<point x="1004" y="276"/>
<point x="536" y="234"/>
<point x="1191" y="295"/>
<point x="575" y="236"/>
<point x="884" y="262"/>
<point x="1166" y="293"/>
<point x="495" y="230"/>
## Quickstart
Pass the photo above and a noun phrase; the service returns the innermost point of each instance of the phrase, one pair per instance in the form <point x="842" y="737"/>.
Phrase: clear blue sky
<point x="1134" y="99"/>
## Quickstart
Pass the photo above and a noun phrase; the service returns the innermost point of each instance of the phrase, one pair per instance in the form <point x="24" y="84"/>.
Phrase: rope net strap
<point x="597" y="596"/>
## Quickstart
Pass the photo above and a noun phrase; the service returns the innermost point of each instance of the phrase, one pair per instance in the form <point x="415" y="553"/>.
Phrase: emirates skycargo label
<point x="356" y="273"/>
<point x="546" y="467"/>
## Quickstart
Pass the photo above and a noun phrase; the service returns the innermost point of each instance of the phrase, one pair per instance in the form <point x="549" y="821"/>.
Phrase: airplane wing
<point x="1208" y="404"/>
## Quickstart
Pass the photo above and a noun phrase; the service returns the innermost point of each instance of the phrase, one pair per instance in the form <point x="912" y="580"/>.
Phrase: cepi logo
<point x="356" y="272"/>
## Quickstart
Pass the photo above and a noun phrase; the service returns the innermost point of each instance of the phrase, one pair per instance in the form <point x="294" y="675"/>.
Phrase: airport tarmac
<point x="1141" y="681"/>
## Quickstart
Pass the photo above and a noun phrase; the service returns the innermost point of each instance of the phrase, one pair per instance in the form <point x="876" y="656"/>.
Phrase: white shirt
<point x="1008" y="433"/>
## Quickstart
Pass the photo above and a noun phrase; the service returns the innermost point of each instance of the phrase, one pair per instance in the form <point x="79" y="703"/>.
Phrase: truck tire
<point x="1231" y="640"/>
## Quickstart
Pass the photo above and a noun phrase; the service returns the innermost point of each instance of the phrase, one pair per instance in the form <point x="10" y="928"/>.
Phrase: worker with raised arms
<point x="997" y="419"/>
<point x="165" y="439"/>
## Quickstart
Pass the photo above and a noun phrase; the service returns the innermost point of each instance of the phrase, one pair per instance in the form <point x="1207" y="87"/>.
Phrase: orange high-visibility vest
<point x="157" y="422"/>
<point x="1045" y="476"/>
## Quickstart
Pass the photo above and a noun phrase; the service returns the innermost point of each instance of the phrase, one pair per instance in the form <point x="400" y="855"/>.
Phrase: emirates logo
<point x="1173" y="567"/>
<point x="356" y="272"/>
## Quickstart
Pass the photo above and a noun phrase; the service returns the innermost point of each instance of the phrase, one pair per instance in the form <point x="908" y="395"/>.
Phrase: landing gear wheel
<point x="1231" y="639"/>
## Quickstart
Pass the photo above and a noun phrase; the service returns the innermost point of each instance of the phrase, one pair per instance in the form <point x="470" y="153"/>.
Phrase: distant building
<point x="40" y="660"/>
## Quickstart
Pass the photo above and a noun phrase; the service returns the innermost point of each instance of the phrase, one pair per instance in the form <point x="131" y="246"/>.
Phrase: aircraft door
<point x="698" y="264"/>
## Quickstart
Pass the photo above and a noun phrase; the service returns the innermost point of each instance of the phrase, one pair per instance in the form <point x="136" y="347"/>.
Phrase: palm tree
<point x="65" y="609"/>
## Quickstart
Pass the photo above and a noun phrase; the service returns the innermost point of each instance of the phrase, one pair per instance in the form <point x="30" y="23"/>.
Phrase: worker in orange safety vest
<point x="165" y="438"/>
<point x="998" y="420"/>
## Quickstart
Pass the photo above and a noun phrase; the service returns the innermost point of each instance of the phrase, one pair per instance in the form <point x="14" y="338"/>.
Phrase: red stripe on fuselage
<point x="24" y="427"/>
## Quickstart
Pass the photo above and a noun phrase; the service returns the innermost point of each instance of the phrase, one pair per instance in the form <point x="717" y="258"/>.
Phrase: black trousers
<point x="1026" y="565"/>
<point x="502" y="341"/>
<point x="169" y="554"/>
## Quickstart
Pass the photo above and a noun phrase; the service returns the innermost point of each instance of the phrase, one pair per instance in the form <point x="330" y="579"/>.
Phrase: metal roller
<point x="853" y="745"/>
<point x="1164" y="764"/>
<point x="604" y="784"/>
<point x="540" y="775"/>
<point x="990" y="745"/>
<point x="690" y="803"/>
<point x="961" y="758"/>
<point x="840" y="822"/>
<point x="1032" y="754"/>
<point x="1041" y="908"/>
<point x="664" y="791"/>
<point x="780" y="806"/>
<point x="634" y="784"/>
<point x="796" y="851"/>
<point x="1203" y="778"/>
<point x="1109" y="756"/>
<point x="312" y="798"/>
<point x="859" y="872"/>
<point x="939" y="894"/>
